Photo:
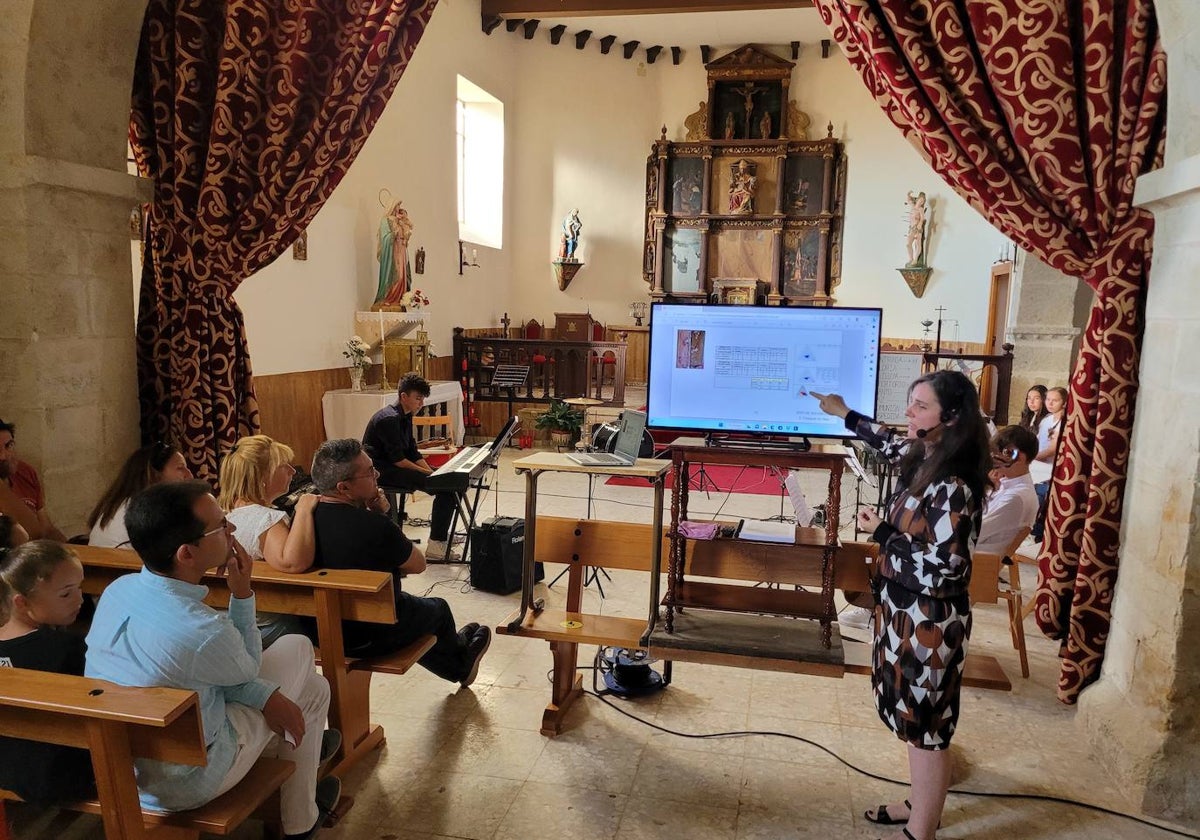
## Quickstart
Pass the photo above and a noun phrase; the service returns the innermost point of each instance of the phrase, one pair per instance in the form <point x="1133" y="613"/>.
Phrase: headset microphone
<point x="922" y="433"/>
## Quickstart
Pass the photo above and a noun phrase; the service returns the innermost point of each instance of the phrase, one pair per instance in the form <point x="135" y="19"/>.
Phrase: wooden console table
<point x="813" y="546"/>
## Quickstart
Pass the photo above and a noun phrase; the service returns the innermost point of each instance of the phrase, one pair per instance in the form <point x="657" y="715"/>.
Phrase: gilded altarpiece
<point x="746" y="207"/>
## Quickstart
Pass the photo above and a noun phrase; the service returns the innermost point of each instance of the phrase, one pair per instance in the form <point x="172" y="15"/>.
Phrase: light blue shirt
<point x="151" y="630"/>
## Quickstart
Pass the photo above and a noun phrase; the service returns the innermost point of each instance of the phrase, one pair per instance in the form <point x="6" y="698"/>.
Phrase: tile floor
<point x="471" y="763"/>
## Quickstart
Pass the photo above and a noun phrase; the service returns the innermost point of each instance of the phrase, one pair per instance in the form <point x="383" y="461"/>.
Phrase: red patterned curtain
<point x="1042" y="114"/>
<point x="246" y="115"/>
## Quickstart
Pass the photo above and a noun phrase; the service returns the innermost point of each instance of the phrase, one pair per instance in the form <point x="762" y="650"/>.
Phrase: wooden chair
<point x="604" y="364"/>
<point x="1012" y="596"/>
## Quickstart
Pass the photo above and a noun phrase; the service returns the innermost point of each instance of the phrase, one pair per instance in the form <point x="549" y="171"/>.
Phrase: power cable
<point x="601" y="695"/>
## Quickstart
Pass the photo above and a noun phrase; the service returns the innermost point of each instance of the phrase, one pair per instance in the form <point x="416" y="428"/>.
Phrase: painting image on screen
<point x="751" y="369"/>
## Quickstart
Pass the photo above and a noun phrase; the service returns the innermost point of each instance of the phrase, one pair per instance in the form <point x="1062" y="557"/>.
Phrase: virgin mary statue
<point x="395" y="229"/>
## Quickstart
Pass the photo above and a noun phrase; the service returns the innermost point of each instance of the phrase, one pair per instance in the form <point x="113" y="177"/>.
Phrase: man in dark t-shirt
<point x="353" y="532"/>
<point x="392" y="446"/>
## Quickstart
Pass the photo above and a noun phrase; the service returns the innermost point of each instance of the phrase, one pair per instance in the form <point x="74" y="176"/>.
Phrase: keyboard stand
<point x="467" y="505"/>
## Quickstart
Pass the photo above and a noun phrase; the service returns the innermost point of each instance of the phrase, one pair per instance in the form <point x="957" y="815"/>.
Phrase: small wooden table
<point x="533" y="466"/>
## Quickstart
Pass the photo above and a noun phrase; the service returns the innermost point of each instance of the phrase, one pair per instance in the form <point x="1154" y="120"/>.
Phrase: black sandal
<point x="882" y="817"/>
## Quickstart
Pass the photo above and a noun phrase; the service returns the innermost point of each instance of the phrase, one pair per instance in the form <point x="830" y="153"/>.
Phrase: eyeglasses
<point x="374" y="473"/>
<point x="224" y="526"/>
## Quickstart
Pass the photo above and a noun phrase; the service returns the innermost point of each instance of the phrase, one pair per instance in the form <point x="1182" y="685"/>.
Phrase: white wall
<point x="579" y="126"/>
<point x="299" y="314"/>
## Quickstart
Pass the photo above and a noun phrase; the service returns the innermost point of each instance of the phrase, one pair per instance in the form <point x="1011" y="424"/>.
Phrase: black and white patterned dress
<point x="923" y="618"/>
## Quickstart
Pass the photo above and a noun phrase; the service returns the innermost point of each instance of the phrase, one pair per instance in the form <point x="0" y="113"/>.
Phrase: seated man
<point x="353" y="533"/>
<point x="22" y="480"/>
<point x="1013" y="503"/>
<point x="392" y="446"/>
<point x="154" y="629"/>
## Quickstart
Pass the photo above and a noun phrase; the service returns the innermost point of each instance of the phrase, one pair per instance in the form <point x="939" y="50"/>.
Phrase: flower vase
<point x="356" y="378"/>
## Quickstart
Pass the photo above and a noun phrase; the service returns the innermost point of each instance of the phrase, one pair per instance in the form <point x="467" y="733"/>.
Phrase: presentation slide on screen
<point x="752" y="369"/>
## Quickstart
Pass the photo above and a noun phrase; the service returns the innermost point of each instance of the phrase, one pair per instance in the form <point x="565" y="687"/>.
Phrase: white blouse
<point x="252" y="522"/>
<point x="112" y="535"/>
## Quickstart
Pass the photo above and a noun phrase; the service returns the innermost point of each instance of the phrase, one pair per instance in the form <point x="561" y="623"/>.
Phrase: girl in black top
<point x="39" y="593"/>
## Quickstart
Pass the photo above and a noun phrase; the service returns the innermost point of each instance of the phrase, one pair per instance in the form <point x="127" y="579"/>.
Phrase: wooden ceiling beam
<point x="592" y="8"/>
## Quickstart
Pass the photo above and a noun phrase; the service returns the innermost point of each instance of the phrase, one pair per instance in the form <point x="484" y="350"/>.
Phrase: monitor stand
<point x="801" y="444"/>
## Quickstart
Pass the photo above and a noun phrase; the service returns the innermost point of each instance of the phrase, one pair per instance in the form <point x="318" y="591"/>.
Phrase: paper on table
<point x="779" y="532"/>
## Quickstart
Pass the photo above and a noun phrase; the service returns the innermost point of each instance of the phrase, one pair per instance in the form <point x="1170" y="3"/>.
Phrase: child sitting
<point x="39" y="593"/>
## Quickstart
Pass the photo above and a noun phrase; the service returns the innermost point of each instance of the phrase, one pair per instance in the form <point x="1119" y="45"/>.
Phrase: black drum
<point x="604" y="439"/>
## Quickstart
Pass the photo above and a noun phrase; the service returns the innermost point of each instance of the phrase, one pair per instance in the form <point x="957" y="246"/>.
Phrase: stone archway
<point x="67" y="376"/>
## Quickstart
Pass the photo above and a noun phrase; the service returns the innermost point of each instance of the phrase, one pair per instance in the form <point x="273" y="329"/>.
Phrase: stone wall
<point x="66" y="351"/>
<point x="1051" y="312"/>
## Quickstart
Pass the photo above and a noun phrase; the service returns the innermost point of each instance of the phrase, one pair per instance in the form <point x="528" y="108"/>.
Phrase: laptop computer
<point x="628" y="443"/>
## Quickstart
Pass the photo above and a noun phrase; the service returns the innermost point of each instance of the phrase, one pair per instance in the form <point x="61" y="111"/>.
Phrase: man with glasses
<point x="390" y="442"/>
<point x="353" y="532"/>
<point x="154" y="629"/>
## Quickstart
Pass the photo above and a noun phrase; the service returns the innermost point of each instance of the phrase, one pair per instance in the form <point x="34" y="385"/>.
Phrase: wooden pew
<point x="118" y="724"/>
<point x="582" y="543"/>
<point x="329" y="596"/>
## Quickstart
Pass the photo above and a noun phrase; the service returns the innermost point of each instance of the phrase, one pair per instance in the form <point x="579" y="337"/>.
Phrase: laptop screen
<point x="629" y="437"/>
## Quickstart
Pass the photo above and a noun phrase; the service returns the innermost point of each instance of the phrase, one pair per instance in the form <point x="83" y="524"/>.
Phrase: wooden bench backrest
<point x="364" y="596"/>
<point x="163" y="723"/>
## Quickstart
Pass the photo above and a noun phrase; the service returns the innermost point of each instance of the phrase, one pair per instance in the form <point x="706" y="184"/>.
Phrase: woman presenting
<point x="922" y="612"/>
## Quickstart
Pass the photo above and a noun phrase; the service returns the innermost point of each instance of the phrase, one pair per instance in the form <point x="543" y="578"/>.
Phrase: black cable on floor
<point x="1035" y="797"/>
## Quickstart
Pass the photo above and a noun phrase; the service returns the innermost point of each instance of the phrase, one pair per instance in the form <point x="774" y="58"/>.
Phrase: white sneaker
<point x="859" y="617"/>
<point x="437" y="550"/>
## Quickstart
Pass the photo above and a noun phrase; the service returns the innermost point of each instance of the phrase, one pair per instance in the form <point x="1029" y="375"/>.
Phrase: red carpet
<point x="755" y="480"/>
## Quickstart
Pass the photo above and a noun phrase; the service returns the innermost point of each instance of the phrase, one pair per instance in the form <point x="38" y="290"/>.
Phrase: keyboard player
<point x="392" y="445"/>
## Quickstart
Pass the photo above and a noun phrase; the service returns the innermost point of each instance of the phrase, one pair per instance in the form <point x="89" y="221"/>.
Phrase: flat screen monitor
<point x="749" y="369"/>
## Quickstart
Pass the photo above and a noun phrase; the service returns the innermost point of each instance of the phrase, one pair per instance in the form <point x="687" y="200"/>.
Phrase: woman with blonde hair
<point x="257" y="471"/>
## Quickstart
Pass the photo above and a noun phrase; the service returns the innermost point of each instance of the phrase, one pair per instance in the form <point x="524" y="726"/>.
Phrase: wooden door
<point x="997" y="327"/>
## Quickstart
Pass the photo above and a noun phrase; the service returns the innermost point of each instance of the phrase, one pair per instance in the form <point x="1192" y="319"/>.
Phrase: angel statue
<point x="395" y="229"/>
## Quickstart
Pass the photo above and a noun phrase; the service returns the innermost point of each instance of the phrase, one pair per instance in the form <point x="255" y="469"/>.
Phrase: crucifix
<point x="505" y="321"/>
<point x="748" y="91"/>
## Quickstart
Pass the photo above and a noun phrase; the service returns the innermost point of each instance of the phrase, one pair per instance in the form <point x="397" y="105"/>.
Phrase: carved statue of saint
<point x="915" y="241"/>
<point x="728" y="135"/>
<point x="395" y="229"/>
<point x="571" y="228"/>
<point x="742" y="183"/>
<point x="764" y="126"/>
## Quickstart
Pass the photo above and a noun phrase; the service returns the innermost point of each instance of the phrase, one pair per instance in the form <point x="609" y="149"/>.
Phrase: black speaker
<point x="497" y="553"/>
<point x="604" y="439"/>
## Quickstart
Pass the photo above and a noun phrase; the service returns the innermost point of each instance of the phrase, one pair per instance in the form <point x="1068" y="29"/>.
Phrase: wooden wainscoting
<point x="289" y="406"/>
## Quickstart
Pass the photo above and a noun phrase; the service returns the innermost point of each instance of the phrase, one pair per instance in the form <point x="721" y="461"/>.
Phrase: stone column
<point x="67" y="376"/>
<point x="1050" y="314"/>
<point x="1143" y="715"/>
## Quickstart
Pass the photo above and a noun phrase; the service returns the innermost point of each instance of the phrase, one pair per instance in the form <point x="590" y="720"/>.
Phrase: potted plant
<point x="563" y="421"/>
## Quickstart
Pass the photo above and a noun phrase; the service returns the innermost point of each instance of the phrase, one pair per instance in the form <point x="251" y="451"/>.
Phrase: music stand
<point x="510" y="377"/>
